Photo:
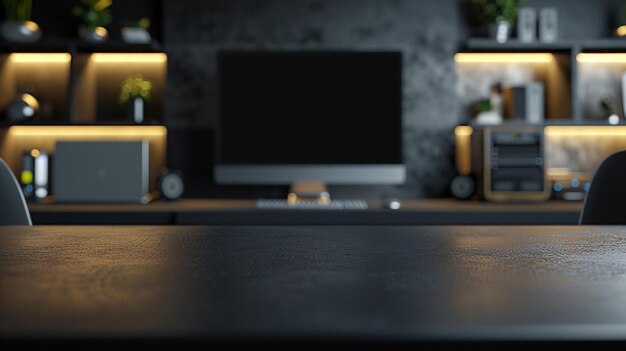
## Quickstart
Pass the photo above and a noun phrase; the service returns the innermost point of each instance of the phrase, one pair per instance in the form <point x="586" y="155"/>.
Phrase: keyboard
<point x="276" y="204"/>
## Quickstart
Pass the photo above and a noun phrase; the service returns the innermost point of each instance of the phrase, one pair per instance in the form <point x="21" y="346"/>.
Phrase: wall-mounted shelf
<point x="77" y="84"/>
<point x="44" y="75"/>
<point x="76" y="45"/>
<point x="4" y="124"/>
<point x="490" y="45"/>
<point x="576" y="74"/>
<point x="20" y="138"/>
<point x="70" y="86"/>
<point x="600" y="45"/>
<point x="564" y="123"/>
<point x="478" y="71"/>
<point x="116" y="46"/>
<point x="97" y="85"/>
<point x="82" y="86"/>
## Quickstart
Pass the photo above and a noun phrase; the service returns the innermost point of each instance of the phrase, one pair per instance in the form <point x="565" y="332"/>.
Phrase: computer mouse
<point x="392" y="204"/>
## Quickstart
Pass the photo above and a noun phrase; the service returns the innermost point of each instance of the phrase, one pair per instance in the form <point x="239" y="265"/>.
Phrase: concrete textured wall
<point x="427" y="32"/>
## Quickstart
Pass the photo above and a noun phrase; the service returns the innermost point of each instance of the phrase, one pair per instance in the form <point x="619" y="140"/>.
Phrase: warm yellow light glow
<point x="27" y="177"/>
<point x="158" y="57"/>
<point x="31" y="101"/>
<point x="101" y="31"/>
<point x="463" y="131"/>
<point x="463" y="148"/>
<point x="621" y="31"/>
<point x="503" y="57"/>
<point x="601" y="58"/>
<point x="31" y="25"/>
<point x="35" y="153"/>
<point x="44" y="138"/>
<point x="58" y="57"/>
<point x="87" y="131"/>
<point x="585" y="131"/>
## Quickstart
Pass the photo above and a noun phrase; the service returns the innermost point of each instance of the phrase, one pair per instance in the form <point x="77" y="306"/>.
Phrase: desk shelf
<point x="244" y="212"/>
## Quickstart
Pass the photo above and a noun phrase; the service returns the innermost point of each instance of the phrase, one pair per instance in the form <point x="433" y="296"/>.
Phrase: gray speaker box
<point x="527" y="24"/>
<point x="548" y="25"/>
<point x="101" y="172"/>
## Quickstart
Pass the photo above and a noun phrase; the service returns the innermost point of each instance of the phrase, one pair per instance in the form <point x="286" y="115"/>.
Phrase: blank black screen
<point x="310" y="108"/>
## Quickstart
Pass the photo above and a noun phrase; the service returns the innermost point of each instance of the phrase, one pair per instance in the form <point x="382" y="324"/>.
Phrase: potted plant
<point x="135" y="90"/>
<point x="96" y="14"/>
<point x="136" y="32"/>
<point x="499" y="15"/>
<point x="18" y="26"/>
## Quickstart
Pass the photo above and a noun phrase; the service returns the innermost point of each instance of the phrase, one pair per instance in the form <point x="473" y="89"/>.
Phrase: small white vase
<point x="137" y="110"/>
<point x="500" y="31"/>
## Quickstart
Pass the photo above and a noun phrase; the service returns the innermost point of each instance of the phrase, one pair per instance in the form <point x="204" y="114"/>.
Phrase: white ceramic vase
<point x="500" y="31"/>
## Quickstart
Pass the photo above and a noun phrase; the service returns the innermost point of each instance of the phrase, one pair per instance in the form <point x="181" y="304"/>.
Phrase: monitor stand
<point x="309" y="191"/>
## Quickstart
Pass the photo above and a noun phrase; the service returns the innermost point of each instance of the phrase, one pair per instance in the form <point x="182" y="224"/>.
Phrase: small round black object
<point x="171" y="185"/>
<point x="462" y="187"/>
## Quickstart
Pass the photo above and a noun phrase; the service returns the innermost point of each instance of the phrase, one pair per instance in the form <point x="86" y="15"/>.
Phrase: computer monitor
<point x="309" y="116"/>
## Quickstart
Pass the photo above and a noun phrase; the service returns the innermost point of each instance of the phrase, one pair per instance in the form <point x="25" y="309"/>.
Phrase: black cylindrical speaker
<point x="170" y="185"/>
<point x="462" y="187"/>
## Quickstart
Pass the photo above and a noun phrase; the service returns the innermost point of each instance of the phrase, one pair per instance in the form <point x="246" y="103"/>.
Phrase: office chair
<point x="606" y="200"/>
<point x="13" y="209"/>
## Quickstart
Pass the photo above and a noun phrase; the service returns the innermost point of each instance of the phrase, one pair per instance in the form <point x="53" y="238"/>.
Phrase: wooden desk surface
<point x="174" y="285"/>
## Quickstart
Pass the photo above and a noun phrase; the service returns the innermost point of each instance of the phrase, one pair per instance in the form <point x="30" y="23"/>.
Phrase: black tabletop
<point x="311" y="284"/>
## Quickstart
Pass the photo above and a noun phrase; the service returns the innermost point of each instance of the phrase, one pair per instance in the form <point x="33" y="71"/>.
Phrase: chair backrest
<point x="13" y="209"/>
<point x="606" y="200"/>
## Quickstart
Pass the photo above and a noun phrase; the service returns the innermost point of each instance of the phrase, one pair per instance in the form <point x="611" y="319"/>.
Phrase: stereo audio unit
<point x="501" y="163"/>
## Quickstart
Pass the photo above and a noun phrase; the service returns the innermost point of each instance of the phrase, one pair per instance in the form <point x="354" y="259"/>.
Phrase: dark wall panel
<point x="427" y="32"/>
